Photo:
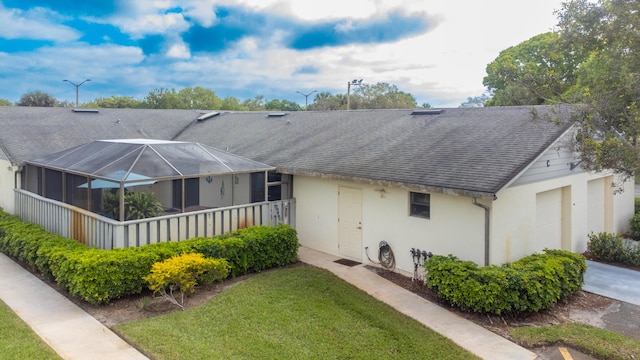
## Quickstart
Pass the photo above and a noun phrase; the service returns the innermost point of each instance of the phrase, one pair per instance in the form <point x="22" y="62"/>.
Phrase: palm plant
<point x="141" y="205"/>
<point x="137" y="205"/>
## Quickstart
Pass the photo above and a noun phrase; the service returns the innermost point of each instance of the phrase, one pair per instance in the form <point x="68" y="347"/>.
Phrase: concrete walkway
<point x="465" y="333"/>
<point x="66" y="328"/>
<point x="613" y="282"/>
<point x="76" y="335"/>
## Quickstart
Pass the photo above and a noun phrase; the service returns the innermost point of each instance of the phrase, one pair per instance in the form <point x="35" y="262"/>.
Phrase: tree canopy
<point x="37" y="98"/>
<point x="534" y="72"/>
<point x="593" y="59"/>
<point x="365" y="96"/>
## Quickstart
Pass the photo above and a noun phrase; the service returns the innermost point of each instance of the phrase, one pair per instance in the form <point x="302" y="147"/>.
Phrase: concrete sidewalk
<point x="66" y="328"/>
<point x="468" y="335"/>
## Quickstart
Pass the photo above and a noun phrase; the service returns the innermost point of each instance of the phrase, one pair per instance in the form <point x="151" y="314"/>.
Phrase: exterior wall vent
<point x="85" y="110"/>
<point x="427" y="112"/>
<point x="278" y="114"/>
<point x="207" y="116"/>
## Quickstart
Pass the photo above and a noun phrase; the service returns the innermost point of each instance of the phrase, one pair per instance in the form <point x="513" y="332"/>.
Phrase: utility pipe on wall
<point x="487" y="215"/>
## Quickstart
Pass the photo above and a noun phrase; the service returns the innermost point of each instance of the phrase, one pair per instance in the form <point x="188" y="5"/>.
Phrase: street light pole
<point x="353" y="82"/>
<point x="77" y="86"/>
<point x="306" y="96"/>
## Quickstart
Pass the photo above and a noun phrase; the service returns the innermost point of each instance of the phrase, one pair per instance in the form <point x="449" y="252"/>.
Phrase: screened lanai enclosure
<point x="142" y="181"/>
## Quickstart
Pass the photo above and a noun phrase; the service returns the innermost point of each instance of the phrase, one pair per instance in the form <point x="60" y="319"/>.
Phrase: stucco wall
<point x="7" y="183"/>
<point x="456" y="225"/>
<point x="513" y="225"/>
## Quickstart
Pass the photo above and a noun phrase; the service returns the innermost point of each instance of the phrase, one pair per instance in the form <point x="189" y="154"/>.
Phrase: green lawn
<point x="18" y="341"/>
<point x="293" y="313"/>
<point x="603" y="344"/>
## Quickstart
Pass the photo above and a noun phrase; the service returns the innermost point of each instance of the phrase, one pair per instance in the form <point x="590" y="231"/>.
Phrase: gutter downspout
<point x="487" y="215"/>
<point x="17" y="170"/>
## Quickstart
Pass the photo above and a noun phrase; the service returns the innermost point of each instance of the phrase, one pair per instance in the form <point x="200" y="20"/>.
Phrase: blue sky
<point x="436" y="50"/>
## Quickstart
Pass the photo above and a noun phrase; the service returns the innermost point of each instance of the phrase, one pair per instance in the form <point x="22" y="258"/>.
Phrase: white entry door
<point x="350" y="223"/>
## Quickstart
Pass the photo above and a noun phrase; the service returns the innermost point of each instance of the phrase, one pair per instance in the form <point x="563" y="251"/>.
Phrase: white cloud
<point x="178" y="50"/>
<point x="201" y="11"/>
<point x="34" y="24"/>
<point x="443" y="66"/>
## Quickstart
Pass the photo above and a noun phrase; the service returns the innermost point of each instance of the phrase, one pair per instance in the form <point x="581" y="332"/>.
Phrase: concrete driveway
<point x="613" y="282"/>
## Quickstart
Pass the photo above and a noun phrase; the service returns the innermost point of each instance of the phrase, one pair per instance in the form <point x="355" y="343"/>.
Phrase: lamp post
<point x="306" y="96"/>
<point x="77" y="86"/>
<point x="351" y="83"/>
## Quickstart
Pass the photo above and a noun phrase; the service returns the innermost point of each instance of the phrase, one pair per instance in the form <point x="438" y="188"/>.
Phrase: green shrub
<point x="614" y="248"/>
<point x="637" y="205"/>
<point x="99" y="276"/>
<point x="534" y="283"/>
<point x="634" y="226"/>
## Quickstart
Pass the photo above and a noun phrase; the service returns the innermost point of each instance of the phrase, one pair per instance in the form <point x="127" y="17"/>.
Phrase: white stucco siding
<point x="514" y="214"/>
<point x="456" y="226"/>
<point x="7" y="183"/>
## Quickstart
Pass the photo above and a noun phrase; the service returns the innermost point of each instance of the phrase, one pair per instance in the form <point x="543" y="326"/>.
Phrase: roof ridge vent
<point x="207" y="116"/>
<point x="85" y="110"/>
<point x="427" y="112"/>
<point x="277" y="114"/>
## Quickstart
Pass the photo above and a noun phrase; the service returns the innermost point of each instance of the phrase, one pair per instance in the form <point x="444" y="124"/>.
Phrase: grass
<point x="293" y="313"/>
<point x="603" y="344"/>
<point x="18" y="341"/>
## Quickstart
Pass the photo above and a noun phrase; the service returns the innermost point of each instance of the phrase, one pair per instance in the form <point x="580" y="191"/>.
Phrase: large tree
<point x="608" y="80"/>
<point x="115" y="102"/>
<point x="536" y="71"/>
<point x="199" y="98"/>
<point x="162" y="99"/>
<point x="326" y="101"/>
<point x="366" y="96"/>
<point x="282" y="105"/>
<point x="381" y="96"/>
<point x="37" y="98"/>
<point x="593" y="59"/>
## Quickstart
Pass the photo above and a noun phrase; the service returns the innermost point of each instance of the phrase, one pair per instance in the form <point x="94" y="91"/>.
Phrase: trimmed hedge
<point x="634" y="226"/>
<point x="614" y="248"/>
<point x="534" y="283"/>
<point x="99" y="276"/>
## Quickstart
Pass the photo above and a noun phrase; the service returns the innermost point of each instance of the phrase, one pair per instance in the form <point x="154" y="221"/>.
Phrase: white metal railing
<point x="94" y="230"/>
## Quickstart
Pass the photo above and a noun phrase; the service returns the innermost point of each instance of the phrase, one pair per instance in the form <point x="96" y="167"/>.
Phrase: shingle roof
<point x="32" y="132"/>
<point x="461" y="150"/>
<point x="466" y="150"/>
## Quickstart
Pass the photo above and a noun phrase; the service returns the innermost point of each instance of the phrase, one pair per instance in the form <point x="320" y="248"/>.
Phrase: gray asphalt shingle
<point x="470" y="150"/>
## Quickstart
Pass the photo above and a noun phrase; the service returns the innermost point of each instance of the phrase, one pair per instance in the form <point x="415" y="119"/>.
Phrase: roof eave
<point x="397" y="184"/>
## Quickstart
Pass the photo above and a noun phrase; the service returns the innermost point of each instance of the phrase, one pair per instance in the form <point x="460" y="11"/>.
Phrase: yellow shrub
<point x="183" y="272"/>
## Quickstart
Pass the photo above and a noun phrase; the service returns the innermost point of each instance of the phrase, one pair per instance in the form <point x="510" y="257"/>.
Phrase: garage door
<point x="599" y="211"/>
<point x="549" y="219"/>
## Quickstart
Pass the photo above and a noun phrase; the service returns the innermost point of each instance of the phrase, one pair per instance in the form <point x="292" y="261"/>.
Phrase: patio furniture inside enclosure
<point x="107" y="177"/>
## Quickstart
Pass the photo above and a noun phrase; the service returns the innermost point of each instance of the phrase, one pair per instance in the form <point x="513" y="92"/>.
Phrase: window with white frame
<point x="420" y="205"/>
